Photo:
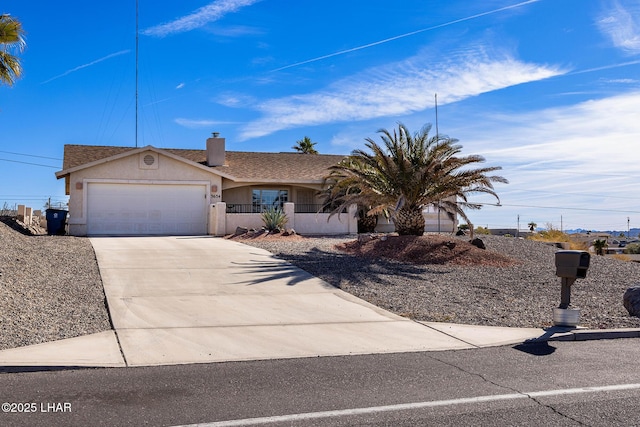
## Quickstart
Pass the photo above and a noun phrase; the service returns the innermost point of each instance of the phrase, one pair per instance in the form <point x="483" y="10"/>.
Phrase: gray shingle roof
<point x="241" y="165"/>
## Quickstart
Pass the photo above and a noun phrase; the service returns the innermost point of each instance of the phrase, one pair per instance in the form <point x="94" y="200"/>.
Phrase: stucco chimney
<point x="215" y="150"/>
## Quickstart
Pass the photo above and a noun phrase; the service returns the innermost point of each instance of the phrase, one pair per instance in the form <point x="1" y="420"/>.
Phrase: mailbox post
<point x="570" y="265"/>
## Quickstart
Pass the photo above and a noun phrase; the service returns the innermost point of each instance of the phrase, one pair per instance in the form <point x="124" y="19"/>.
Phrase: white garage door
<point x="146" y="209"/>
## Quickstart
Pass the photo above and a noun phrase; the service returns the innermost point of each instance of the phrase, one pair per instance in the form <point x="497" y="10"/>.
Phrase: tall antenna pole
<point x="437" y="138"/>
<point x="137" y="22"/>
<point x="437" y="133"/>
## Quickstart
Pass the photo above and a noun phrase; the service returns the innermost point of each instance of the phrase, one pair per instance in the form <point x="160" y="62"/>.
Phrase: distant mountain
<point x="634" y="232"/>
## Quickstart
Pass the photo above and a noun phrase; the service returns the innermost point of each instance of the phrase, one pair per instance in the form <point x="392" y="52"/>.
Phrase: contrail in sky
<point x="73" y="70"/>
<point x="605" y="67"/>
<point x="468" y="18"/>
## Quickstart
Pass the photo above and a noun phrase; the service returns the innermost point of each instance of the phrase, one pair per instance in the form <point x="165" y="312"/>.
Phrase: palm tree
<point x="407" y="174"/>
<point x="11" y="39"/>
<point x="305" y="146"/>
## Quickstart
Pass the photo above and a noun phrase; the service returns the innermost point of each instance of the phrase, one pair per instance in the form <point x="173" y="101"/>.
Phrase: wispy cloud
<point x="201" y="17"/>
<point x="621" y="23"/>
<point x="78" y="68"/>
<point x="412" y="33"/>
<point x="236" y="31"/>
<point x="589" y="147"/>
<point x="584" y="135"/>
<point x="563" y="161"/>
<point x="397" y="89"/>
<point x="200" y="124"/>
<point x="234" y="100"/>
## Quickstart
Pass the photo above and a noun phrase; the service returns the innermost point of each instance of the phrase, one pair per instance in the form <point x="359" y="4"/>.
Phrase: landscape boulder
<point x="631" y="300"/>
<point x="478" y="243"/>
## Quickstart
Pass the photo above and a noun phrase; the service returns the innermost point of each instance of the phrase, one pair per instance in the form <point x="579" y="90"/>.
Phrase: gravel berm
<point x="520" y="295"/>
<point x="50" y="289"/>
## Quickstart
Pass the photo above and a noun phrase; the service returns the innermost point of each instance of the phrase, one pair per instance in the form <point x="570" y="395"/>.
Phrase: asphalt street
<point x="593" y="383"/>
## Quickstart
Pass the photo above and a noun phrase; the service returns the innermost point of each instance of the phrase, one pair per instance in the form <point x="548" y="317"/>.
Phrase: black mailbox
<point x="572" y="264"/>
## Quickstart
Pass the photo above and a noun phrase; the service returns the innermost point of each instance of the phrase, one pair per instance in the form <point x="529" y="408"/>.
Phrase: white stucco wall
<point x="128" y="169"/>
<point x="302" y="223"/>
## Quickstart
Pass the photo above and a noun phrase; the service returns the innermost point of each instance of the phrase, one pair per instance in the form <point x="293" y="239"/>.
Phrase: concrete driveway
<point x="176" y="300"/>
<point x="204" y="299"/>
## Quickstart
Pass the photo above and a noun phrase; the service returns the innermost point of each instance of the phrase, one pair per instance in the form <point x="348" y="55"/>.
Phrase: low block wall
<point x="222" y="223"/>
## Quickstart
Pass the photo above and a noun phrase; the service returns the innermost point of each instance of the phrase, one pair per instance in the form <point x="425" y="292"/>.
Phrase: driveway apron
<point x="178" y="300"/>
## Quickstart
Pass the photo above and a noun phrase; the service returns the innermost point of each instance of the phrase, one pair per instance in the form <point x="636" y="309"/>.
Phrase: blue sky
<point x="547" y="89"/>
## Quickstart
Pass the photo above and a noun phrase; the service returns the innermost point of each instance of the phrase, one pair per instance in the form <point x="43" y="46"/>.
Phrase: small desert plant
<point x="599" y="246"/>
<point x="274" y="219"/>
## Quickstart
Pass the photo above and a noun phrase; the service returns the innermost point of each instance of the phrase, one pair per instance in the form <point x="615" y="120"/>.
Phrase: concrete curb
<point x="568" y="334"/>
<point x="594" y="334"/>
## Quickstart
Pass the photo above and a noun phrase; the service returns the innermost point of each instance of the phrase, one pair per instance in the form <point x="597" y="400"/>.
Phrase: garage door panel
<point x="146" y="209"/>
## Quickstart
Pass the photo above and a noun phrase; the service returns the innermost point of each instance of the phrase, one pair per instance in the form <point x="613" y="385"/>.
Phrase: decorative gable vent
<point x="148" y="160"/>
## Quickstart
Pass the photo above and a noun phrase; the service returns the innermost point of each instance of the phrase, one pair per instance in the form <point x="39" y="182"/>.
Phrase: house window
<point x="262" y="200"/>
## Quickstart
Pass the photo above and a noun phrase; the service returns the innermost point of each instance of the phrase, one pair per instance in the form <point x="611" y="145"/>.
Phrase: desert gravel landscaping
<point x="50" y="286"/>
<point x="518" y="294"/>
<point x="50" y="289"/>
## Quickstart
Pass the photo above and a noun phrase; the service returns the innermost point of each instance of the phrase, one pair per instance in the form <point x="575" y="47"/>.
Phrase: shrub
<point x="553" y="235"/>
<point x="274" y="219"/>
<point x="482" y="230"/>
<point x="633" y="248"/>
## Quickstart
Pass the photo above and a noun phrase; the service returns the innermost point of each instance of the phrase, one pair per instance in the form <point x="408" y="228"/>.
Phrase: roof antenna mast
<point x="137" y="73"/>
<point x="437" y="133"/>
<point x="437" y="141"/>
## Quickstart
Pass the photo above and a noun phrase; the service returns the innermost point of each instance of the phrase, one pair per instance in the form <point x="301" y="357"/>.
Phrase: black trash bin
<point x="56" y="221"/>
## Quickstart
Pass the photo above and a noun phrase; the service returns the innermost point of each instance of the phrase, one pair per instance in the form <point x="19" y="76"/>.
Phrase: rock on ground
<point x="631" y="300"/>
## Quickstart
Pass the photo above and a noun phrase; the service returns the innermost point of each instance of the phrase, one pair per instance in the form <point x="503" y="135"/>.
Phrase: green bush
<point x="633" y="248"/>
<point x="274" y="219"/>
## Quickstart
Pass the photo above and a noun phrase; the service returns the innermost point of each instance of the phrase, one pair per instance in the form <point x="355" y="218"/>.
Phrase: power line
<point x="29" y="155"/>
<point x="28" y="163"/>
<point x="571" y="209"/>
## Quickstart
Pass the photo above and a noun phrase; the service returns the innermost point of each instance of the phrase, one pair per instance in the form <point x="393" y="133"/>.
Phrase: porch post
<point x="218" y="219"/>
<point x="352" y="214"/>
<point x="289" y="209"/>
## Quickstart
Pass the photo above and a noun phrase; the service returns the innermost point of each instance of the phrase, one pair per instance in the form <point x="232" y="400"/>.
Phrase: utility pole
<point x="518" y="229"/>
<point x="628" y="228"/>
